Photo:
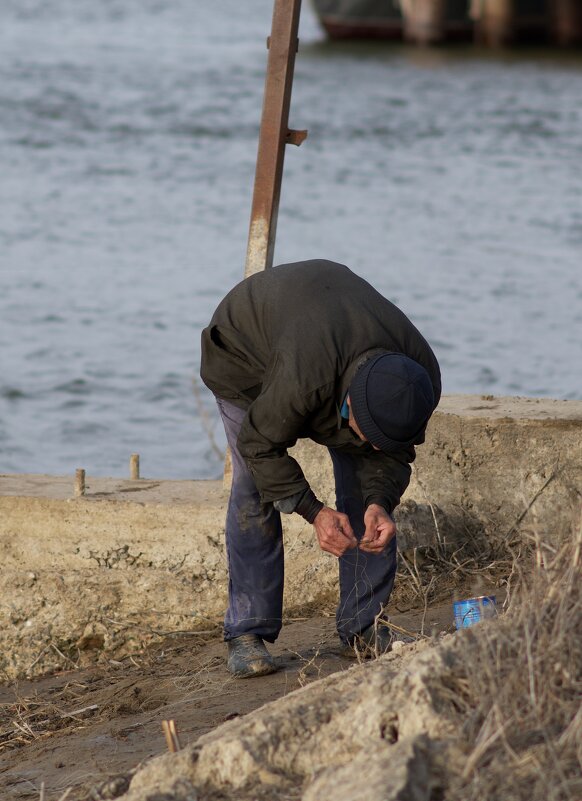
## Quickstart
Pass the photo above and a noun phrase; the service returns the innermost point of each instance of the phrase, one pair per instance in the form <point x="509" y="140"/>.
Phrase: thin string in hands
<point x="368" y="591"/>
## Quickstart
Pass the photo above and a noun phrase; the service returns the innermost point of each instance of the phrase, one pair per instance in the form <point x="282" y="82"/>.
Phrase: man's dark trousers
<point x="254" y="544"/>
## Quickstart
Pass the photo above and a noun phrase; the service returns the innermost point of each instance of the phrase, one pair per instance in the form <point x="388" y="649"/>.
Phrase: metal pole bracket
<point x="295" y="137"/>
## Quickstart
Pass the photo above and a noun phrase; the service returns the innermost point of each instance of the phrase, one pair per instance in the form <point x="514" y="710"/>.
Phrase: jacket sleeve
<point x="383" y="477"/>
<point x="274" y="422"/>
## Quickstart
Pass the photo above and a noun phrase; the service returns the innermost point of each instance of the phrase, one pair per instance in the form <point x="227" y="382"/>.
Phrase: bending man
<point x="310" y="350"/>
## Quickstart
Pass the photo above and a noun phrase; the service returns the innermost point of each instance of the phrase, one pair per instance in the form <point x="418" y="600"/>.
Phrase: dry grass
<point x="32" y="718"/>
<point x="517" y="688"/>
<point x="475" y="559"/>
<point x="310" y="668"/>
<point x="120" y="688"/>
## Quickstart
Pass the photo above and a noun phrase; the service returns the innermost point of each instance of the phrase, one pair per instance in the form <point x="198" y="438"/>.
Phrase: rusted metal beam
<point x="274" y="135"/>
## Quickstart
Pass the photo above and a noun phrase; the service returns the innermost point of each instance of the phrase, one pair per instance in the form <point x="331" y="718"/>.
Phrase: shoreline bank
<point x="106" y="572"/>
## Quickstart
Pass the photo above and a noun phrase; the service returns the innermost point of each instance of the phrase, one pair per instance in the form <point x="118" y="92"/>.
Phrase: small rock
<point x="93" y="637"/>
<point x="111" y="789"/>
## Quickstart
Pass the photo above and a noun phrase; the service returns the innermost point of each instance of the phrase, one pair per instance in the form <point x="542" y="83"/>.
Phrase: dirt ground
<point x="72" y="731"/>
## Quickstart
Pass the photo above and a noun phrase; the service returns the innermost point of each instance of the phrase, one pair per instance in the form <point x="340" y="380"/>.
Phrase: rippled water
<point x="451" y="179"/>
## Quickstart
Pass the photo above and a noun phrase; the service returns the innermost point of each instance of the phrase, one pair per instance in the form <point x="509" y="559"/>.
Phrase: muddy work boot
<point x="374" y="641"/>
<point x="248" y="657"/>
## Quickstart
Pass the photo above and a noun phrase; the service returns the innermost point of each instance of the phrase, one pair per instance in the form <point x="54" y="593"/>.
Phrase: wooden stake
<point x="134" y="466"/>
<point x="79" y="482"/>
<point x="171" y="735"/>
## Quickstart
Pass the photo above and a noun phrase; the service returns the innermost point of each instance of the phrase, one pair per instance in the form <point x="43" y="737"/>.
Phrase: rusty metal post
<point x="274" y="135"/>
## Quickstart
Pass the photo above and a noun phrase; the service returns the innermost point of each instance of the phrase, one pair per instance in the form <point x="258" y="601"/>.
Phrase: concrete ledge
<point x="512" y="463"/>
<point x="105" y="573"/>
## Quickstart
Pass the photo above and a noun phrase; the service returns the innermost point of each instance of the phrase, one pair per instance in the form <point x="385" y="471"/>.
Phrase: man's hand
<point x="334" y="532"/>
<point x="380" y="529"/>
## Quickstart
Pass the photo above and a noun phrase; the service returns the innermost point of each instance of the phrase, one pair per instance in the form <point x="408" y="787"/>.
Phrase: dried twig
<point x="171" y="735"/>
<point x="302" y="677"/>
<point x="62" y="655"/>
<point x="38" y="658"/>
<point x="82" y="711"/>
<point x="205" y="420"/>
<point x="534" y="498"/>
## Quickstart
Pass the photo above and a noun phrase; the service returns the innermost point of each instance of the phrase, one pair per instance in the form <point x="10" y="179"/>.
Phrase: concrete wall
<point x="106" y="573"/>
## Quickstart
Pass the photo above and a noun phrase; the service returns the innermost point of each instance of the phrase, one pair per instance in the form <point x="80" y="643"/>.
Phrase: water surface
<point x="451" y="179"/>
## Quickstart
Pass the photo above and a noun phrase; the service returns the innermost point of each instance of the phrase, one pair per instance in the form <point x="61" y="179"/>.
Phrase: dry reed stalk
<point x="206" y="420"/>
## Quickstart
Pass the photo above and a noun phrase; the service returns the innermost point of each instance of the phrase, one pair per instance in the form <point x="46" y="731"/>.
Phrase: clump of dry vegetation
<point x="517" y="688"/>
<point x="468" y="558"/>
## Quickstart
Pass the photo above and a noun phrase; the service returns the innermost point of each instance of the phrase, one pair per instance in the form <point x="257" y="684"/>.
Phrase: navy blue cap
<point x="391" y="398"/>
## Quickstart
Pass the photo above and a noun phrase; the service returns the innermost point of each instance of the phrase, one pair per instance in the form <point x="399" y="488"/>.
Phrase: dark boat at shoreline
<point x="381" y="19"/>
<point x="491" y="22"/>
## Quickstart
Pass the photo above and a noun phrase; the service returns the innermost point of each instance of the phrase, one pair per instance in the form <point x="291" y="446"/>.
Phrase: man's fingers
<point x="344" y="532"/>
<point x="335" y="547"/>
<point x="370" y="538"/>
<point x="371" y="541"/>
<point x="371" y="533"/>
<point x="335" y="541"/>
<point x="334" y="532"/>
<point x="343" y="540"/>
<point x="345" y="526"/>
<point x="377" y="536"/>
<point x="350" y="538"/>
<point x="372" y="547"/>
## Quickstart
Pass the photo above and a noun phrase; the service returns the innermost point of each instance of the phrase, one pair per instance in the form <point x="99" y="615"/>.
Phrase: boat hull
<point x="431" y="21"/>
<point x="383" y="19"/>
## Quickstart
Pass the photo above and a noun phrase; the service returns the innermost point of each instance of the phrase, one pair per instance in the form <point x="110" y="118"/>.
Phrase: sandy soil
<point x="77" y="729"/>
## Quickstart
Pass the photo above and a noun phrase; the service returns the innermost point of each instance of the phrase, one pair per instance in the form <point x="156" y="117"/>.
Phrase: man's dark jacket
<point x="284" y="344"/>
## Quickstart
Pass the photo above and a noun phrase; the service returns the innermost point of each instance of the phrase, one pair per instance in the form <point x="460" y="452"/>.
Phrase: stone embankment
<point x="132" y="560"/>
<point x="363" y="733"/>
